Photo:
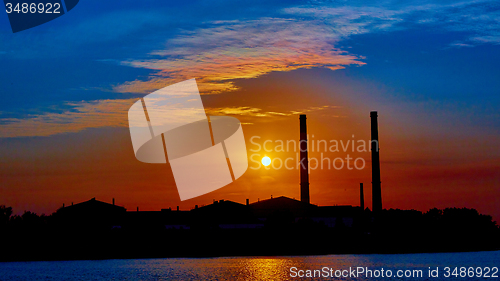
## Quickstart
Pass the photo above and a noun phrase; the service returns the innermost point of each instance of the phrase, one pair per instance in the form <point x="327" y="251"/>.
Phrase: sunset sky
<point x="429" y="69"/>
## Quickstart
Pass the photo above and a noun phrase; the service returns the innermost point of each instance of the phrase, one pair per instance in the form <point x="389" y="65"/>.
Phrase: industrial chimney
<point x="376" y="184"/>
<point x="361" y="197"/>
<point x="304" y="161"/>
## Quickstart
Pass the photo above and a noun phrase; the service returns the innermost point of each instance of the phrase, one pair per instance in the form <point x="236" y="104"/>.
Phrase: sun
<point x="266" y="161"/>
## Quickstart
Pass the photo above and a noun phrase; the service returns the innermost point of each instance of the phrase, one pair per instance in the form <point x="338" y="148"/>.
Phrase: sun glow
<point x="266" y="161"/>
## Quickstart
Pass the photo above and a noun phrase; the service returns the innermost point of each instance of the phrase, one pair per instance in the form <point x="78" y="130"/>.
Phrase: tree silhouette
<point x="5" y="213"/>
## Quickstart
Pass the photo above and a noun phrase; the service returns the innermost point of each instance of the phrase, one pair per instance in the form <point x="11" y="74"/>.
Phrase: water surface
<point x="244" y="268"/>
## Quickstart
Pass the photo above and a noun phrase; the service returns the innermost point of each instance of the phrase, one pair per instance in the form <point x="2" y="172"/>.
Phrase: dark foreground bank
<point x="217" y="232"/>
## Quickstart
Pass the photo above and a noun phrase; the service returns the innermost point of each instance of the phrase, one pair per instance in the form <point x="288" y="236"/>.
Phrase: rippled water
<point x="242" y="268"/>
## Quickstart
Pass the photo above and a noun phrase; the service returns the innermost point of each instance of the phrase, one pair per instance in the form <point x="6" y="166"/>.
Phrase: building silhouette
<point x="224" y="214"/>
<point x="376" y="183"/>
<point x="361" y="197"/>
<point x="92" y="213"/>
<point x="304" y="161"/>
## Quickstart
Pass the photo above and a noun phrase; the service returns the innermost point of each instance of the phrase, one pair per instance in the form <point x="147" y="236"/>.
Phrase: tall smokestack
<point x="376" y="184"/>
<point x="304" y="161"/>
<point x="361" y="197"/>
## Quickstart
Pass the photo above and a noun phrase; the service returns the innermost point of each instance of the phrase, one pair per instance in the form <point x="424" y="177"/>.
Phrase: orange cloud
<point x="109" y="113"/>
<point x="103" y="113"/>
<point x="257" y="112"/>
<point x="217" y="55"/>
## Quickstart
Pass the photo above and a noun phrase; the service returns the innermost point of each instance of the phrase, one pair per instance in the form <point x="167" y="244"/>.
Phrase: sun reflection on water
<point x="266" y="269"/>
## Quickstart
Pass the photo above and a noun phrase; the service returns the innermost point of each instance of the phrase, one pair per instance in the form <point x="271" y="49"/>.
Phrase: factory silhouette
<point x="226" y="214"/>
<point x="277" y="226"/>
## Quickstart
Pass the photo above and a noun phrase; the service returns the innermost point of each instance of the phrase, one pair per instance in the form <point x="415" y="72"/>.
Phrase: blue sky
<point x="421" y="51"/>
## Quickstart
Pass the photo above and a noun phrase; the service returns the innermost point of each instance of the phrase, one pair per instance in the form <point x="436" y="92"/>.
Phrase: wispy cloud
<point x="113" y="113"/>
<point x="479" y="18"/>
<point x="301" y="37"/>
<point x="258" y="112"/>
<point x="102" y="113"/>
<point x="460" y="45"/>
<point x="242" y="110"/>
<point x="225" y="51"/>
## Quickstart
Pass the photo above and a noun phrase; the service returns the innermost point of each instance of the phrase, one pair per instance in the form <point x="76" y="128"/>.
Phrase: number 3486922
<point x="32" y="8"/>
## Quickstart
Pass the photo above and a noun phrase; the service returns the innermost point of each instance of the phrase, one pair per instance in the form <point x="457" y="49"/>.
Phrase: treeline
<point x="435" y="220"/>
<point x="450" y="229"/>
<point x="26" y="220"/>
